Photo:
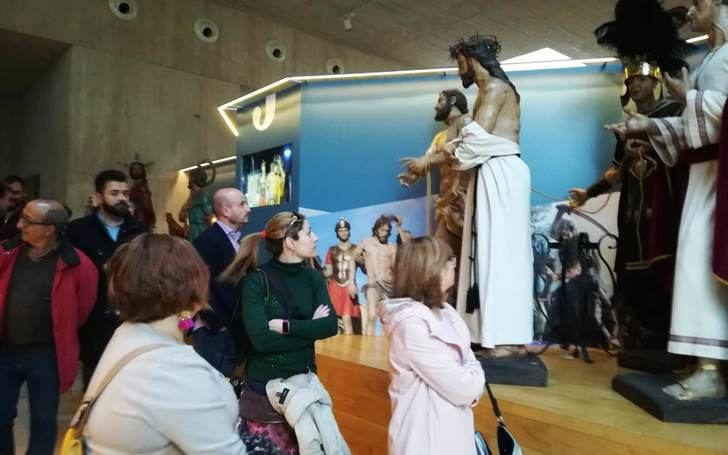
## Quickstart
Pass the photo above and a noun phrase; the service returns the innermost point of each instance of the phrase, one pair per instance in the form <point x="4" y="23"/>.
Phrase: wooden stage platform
<point x="578" y="413"/>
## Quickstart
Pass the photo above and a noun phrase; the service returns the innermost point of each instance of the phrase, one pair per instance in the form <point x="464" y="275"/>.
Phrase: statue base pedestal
<point x="653" y="361"/>
<point x="645" y="390"/>
<point x="527" y="371"/>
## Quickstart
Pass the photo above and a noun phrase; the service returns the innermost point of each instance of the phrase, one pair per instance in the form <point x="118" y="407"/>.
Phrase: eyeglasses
<point x="25" y="220"/>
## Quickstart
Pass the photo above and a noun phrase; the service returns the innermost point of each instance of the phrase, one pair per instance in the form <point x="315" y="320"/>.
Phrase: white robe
<point x="503" y="226"/>
<point x="699" y="325"/>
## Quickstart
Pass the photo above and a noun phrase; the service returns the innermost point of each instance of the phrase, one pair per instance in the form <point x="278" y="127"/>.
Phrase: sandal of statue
<point x="681" y="390"/>
<point x="502" y="352"/>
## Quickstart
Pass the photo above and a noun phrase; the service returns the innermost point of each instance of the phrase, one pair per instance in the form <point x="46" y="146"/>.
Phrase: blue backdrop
<point x="347" y="136"/>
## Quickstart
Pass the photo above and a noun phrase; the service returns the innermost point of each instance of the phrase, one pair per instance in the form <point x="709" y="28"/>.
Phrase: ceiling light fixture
<point x="227" y="159"/>
<point x="697" y="39"/>
<point x="347" y="22"/>
<point x="347" y="17"/>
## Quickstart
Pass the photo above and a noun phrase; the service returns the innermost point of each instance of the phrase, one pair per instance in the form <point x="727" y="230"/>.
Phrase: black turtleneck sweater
<point x="282" y="356"/>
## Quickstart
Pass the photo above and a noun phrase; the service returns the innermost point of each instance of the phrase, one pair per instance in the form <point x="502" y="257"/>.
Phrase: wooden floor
<point x="578" y="413"/>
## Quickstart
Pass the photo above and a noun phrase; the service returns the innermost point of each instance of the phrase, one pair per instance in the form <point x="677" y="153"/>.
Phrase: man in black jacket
<point x="98" y="235"/>
<point x="214" y="336"/>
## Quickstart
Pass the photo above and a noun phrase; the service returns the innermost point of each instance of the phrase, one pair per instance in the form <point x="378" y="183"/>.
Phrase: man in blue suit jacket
<point x="213" y="336"/>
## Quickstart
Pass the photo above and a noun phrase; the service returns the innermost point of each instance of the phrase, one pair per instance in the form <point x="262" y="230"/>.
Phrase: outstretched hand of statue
<point x="619" y="130"/>
<point x="449" y="147"/>
<point x="635" y="125"/>
<point x="678" y="86"/>
<point x="637" y="147"/>
<point x="417" y="166"/>
<point x="406" y="179"/>
<point x="578" y="196"/>
<point x="414" y="169"/>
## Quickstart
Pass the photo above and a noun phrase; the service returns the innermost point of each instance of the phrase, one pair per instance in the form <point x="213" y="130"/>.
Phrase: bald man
<point x="47" y="290"/>
<point x="215" y="336"/>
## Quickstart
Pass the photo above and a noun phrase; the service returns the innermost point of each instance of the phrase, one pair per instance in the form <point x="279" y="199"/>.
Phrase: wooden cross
<point x="137" y="159"/>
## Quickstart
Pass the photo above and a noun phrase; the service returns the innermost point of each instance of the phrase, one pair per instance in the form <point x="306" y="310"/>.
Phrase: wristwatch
<point x="286" y="327"/>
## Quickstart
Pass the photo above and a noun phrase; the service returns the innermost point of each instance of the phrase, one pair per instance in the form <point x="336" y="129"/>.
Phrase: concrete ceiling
<point x="418" y="32"/>
<point x="23" y="59"/>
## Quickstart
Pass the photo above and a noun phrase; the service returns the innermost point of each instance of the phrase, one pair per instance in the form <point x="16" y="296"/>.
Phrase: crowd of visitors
<point x="164" y="329"/>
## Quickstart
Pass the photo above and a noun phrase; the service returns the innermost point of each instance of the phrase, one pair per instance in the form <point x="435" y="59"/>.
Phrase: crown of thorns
<point x="477" y="42"/>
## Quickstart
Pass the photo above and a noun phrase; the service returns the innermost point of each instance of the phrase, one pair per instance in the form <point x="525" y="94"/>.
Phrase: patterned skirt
<point x="264" y="438"/>
<point x="268" y="438"/>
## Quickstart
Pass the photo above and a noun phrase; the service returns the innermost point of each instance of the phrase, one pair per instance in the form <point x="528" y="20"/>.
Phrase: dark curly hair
<point x="484" y="49"/>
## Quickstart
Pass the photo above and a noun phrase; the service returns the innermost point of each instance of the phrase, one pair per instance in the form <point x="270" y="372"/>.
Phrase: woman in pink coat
<point x="436" y="379"/>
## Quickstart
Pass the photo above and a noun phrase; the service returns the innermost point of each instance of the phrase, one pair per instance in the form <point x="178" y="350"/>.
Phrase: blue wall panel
<point x="284" y="129"/>
<point x="354" y="132"/>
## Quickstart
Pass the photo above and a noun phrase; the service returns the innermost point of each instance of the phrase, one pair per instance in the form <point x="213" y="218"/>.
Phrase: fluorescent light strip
<point x="697" y="39"/>
<point x="219" y="161"/>
<point x="260" y="91"/>
<point x="288" y="81"/>
<point x="228" y="122"/>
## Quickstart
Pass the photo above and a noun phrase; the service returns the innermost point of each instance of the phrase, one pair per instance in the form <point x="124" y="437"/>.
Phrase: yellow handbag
<point x="73" y="442"/>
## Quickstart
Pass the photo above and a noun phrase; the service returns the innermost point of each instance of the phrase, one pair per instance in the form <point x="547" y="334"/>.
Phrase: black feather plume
<point x="643" y="30"/>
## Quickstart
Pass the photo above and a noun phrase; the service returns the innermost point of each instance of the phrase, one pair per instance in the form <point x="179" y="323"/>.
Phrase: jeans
<point x="40" y="371"/>
<point x="217" y="348"/>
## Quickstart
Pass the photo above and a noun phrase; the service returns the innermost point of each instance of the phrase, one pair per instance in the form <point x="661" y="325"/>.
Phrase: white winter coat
<point x="306" y="405"/>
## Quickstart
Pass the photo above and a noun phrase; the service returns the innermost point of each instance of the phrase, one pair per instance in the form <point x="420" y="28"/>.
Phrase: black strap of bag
<point x="84" y="411"/>
<point x="507" y="444"/>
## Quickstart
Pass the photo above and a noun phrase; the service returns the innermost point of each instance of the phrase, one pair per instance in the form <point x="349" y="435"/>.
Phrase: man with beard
<point x="340" y="269"/>
<point x="140" y="195"/>
<point x="379" y="261"/>
<point x="15" y="189"/>
<point x="450" y="109"/>
<point x="499" y="311"/>
<point x="98" y="235"/>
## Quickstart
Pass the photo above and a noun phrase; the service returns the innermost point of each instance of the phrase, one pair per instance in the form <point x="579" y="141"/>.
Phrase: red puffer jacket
<point x="72" y="298"/>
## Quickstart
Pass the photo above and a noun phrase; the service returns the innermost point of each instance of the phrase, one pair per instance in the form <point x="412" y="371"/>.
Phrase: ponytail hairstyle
<point x="277" y="229"/>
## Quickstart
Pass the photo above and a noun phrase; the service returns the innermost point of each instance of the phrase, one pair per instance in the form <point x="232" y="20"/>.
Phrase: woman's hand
<point x="321" y="312"/>
<point x="276" y="325"/>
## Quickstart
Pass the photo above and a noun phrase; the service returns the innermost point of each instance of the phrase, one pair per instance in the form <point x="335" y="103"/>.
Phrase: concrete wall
<point x="9" y="137"/>
<point x="166" y="116"/>
<point x="149" y="86"/>
<point x="162" y="34"/>
<point x="44" y="132"/>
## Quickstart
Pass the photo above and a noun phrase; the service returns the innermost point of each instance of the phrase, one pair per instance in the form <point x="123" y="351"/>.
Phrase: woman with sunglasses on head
<point x="285" y="309"/>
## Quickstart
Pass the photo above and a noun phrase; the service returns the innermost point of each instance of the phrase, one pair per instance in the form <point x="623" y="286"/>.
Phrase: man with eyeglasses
<point x="15" y="193"/>
<point x="47" y="290"/>
<point x="217" y="330"/>
<point x="98" y="235"/>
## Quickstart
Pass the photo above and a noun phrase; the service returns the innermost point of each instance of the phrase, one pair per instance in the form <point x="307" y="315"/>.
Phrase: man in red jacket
<point x="47" y="290"/>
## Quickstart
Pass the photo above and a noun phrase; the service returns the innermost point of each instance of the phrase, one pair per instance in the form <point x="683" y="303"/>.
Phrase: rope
<point x="574" y="207"/>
